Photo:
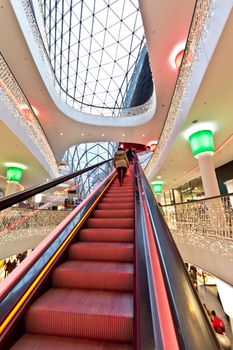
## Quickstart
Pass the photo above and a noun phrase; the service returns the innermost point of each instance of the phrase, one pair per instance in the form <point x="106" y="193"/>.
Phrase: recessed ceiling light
<point x="82" y="134"/>
<point x="102" y="134"/>
<point x="61" y="133"/>
<point x="143" y="135"/>
<point x="123" y="135"/>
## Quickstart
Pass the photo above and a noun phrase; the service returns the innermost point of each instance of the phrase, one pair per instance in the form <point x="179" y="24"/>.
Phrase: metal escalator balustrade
<point x="89" y="298"/>
<point x="165" y="269"/>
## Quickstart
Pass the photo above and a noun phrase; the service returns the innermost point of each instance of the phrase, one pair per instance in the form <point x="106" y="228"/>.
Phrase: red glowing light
<point x="178" y="58"/>
<point x="27" y="114"/>
<point x="153" y="147"/>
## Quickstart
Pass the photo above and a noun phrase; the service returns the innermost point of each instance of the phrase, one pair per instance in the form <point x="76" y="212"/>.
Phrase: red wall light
<point x="153" y="147"/>
<point x="178" y="58"/>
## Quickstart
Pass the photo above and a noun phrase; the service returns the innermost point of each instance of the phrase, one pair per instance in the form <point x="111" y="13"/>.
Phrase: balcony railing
<point x="203" y="232"/>
<point x="210" y="217"/>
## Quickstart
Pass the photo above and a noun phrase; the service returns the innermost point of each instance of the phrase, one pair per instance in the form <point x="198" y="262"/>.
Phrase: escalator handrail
<point x="191" y="323"/>
<point x="32" y="191"/>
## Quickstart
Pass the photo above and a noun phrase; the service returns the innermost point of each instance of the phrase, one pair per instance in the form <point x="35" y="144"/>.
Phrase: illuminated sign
<point x="157" y="186"/>
<point x="14" y="174"/>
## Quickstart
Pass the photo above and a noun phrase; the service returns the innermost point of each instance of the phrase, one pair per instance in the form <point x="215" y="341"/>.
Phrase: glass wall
<point x="86" y="154"/>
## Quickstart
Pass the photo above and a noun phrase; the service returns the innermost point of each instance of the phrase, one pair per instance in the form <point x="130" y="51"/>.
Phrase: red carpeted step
<point x="82" y="313"/>
<point x="94" y="275"/>
<point x="119" y="189"/>
<point x="110" y="223"/>
<point x="129" y="186"/>
<point x="121" y="252"/>
<point x="116" y="206"/>
<point x="46" y="342"/>
<point x="106" y="235"/>
<point x="119" y="194"/>
<point x="124" y="213"/>
<point x="123" y="199"/>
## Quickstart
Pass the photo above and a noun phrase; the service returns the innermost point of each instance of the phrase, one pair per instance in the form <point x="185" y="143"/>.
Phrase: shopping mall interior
<point x="116" y="174"/>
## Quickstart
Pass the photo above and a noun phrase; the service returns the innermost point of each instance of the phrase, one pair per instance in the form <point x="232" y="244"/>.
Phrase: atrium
<point x="93" y="257"/>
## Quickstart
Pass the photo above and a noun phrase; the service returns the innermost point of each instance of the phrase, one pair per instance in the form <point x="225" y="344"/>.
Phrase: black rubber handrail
<point x="32" y="191"/>
<point x="191" y="323"/>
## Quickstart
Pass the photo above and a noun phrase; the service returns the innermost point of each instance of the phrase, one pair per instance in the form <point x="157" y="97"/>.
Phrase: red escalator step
<point x="119" y="197"/>
<point x="106" y="235"/>
<point x="123" y="213"/>
<point x="82" y="313"/>
<point x="116" y="206"/>
<point x="94" y="275"/>
<point x="123" y="187"/>
<point x="45" y="342"/>
<point x="119" y="194"/>
<point x="120" y="190"/>
<point x="125" y="199"/>
<point x="121" y="252"/>
<point x="110" y="223"/>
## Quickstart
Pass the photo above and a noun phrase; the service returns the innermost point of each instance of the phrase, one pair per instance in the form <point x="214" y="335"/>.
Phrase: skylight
<point x="94" y="46"/>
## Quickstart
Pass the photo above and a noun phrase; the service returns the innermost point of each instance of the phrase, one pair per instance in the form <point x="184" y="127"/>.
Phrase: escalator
<point x="91" y="296"/>
<point x="109" y="277"/>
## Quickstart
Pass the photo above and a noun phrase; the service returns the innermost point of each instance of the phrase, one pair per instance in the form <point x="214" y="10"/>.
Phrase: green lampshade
<point x="201" y="141"/>
<point x="14" y="174"/>
<point x="157" y="187"/>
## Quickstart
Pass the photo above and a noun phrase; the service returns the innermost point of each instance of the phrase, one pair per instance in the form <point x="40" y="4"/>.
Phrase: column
<point x="177" y="196"/>
<point x="202" y="146"/>
<point x="229" y="186"/>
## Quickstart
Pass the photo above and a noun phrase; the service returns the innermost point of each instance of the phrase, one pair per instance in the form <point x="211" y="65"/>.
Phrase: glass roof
<point x="94" y="47"/>
<point x="84" y="155"/>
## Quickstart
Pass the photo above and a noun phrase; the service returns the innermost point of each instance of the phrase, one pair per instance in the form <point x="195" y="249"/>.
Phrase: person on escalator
<point x="217" y="323"/>
<point x="121" y="164"/>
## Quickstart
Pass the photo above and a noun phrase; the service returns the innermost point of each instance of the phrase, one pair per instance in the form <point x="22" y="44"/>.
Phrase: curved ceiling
<point x="62" y="132"/>
<point x="212" y="107"/>
<point x="13" y="150"/>
<point x="94" y="48"/>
